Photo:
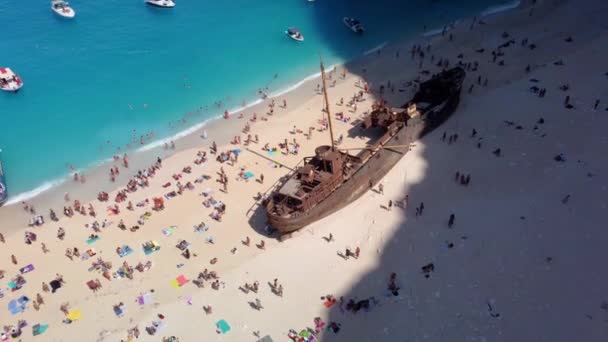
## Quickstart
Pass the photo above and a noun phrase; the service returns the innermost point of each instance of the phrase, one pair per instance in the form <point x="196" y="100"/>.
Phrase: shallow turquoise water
<point x="122" y="69"/>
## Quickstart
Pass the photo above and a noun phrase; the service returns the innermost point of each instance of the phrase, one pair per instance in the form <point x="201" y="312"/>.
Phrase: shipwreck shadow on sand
<point x="442" y="296"/>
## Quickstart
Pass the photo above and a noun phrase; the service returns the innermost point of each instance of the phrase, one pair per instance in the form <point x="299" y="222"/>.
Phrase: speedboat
<point x="3" y="191"/>
<point x="353" y="24"/>
<point x="63" y="9"/>
<point x="9" y="81"/>
<point x="161" y="3"/>
<point x="295" y="34"/>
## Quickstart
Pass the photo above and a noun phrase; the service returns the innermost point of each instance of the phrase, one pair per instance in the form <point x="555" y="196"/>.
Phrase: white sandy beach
<point x="523" y="261"/>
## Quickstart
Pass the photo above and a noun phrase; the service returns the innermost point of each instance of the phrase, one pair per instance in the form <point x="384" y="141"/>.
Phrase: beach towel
<point x="181" y="280"/>
<point x="125" y="250"/>
<point x="272" y="153"/>
<point x="26" y="269"/>
<point x="169" y="231"/>
<point x="222" y="326"/>
<point x="39" y="329"/>
<point x="90" y="241"/>
<point x="14" y="307"/>
<point x="249" y="174"/>
<point x="152" y="250"/>
<point x="13" y="286"/>
<point x="236" y="151"/>
<point x="208" y="192"/>
<point x="144" y="299"/>
<point x="119" y="310"/>
<point x="74" y="315"/>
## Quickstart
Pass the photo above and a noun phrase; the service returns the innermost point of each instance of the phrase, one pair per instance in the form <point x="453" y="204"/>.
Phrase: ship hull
<point x="370" y="173"/>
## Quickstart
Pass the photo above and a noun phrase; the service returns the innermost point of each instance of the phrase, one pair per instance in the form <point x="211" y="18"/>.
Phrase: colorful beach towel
<point x="169" y="231"/>
<point x="125" y="250"/>
<point x="179" y="281"/>
<point x="249" y="174"/>
<point x="272" y="153"/>
<point x="27" y="269"/>
<point x="39" y="329"/>
<point x="156" y="246"/>
<point x="74" y="315"/>
<point x="91" y="241"/>
<point x="222" y="326"/>
<point x="144" y="299"/>
<point x="119" y="310"/>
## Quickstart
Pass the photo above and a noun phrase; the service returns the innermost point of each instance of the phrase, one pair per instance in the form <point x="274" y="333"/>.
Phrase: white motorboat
<point x="161" y="3"/>
<point x="353" y="24"/>
<point x="63" y="9"/>
<point x="295" y="34"/>
<point x="9" y="81"/>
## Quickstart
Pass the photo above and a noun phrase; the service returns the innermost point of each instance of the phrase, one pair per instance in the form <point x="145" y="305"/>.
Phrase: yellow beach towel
<point x="75" y="315"/>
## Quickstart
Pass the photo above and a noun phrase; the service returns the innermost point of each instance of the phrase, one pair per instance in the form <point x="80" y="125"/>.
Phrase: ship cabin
<point x="312" y="182"/>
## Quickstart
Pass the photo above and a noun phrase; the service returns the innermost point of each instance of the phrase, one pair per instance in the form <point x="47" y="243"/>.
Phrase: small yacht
<point x="3" y="192"/>
<point x="63" y="9"/>
<point x="295" y="34"/>
<point x="161" y="3"/>
<point x="9" y="81"/>
<point x="353" y="24"/>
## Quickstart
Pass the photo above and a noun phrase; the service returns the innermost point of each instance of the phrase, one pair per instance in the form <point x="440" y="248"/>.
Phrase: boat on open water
<point x="333" y="178"/>
<point x="161" y="3"/>
<point x="295" y="34"/>
<point x="63" y="9"/>
<point x="353" y="24"/>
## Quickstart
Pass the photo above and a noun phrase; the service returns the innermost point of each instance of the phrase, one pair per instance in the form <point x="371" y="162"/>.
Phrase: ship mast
<point x="331" y="129"/>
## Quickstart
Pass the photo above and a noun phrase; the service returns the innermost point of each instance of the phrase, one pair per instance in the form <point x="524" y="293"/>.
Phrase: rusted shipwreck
<point x="333" y="178"/>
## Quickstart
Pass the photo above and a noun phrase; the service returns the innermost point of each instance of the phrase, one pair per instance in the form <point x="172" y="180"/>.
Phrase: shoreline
<point x="62" y="184"/>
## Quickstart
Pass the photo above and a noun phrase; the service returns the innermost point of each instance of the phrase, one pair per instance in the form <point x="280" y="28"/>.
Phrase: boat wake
<point x="501" y="8"/>
<point x="374" y="49"/>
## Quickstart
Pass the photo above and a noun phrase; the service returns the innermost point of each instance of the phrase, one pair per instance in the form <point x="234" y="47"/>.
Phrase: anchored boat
<point x="295" y="34"/>
<point x="353" y="24"/>
<point x="161" y="3"/>
<point x="333" y="178"/>
<point x="63" y="9"/>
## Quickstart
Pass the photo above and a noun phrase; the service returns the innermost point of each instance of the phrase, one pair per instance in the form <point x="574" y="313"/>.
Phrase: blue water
<point x="122" y="69"/>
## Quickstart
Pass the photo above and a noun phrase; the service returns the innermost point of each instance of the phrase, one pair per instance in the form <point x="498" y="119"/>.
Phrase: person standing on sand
<point x="381" y="189"/>
<point x="357" y="252"/>
<point x="390" y="204"/>
<point x="2" y="238"/>
<point x="14" y="259"/>
<point x="261" y="178"/>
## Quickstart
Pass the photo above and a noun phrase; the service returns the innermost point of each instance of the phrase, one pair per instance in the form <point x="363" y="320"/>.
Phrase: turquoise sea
<point x="123" y="69"/>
